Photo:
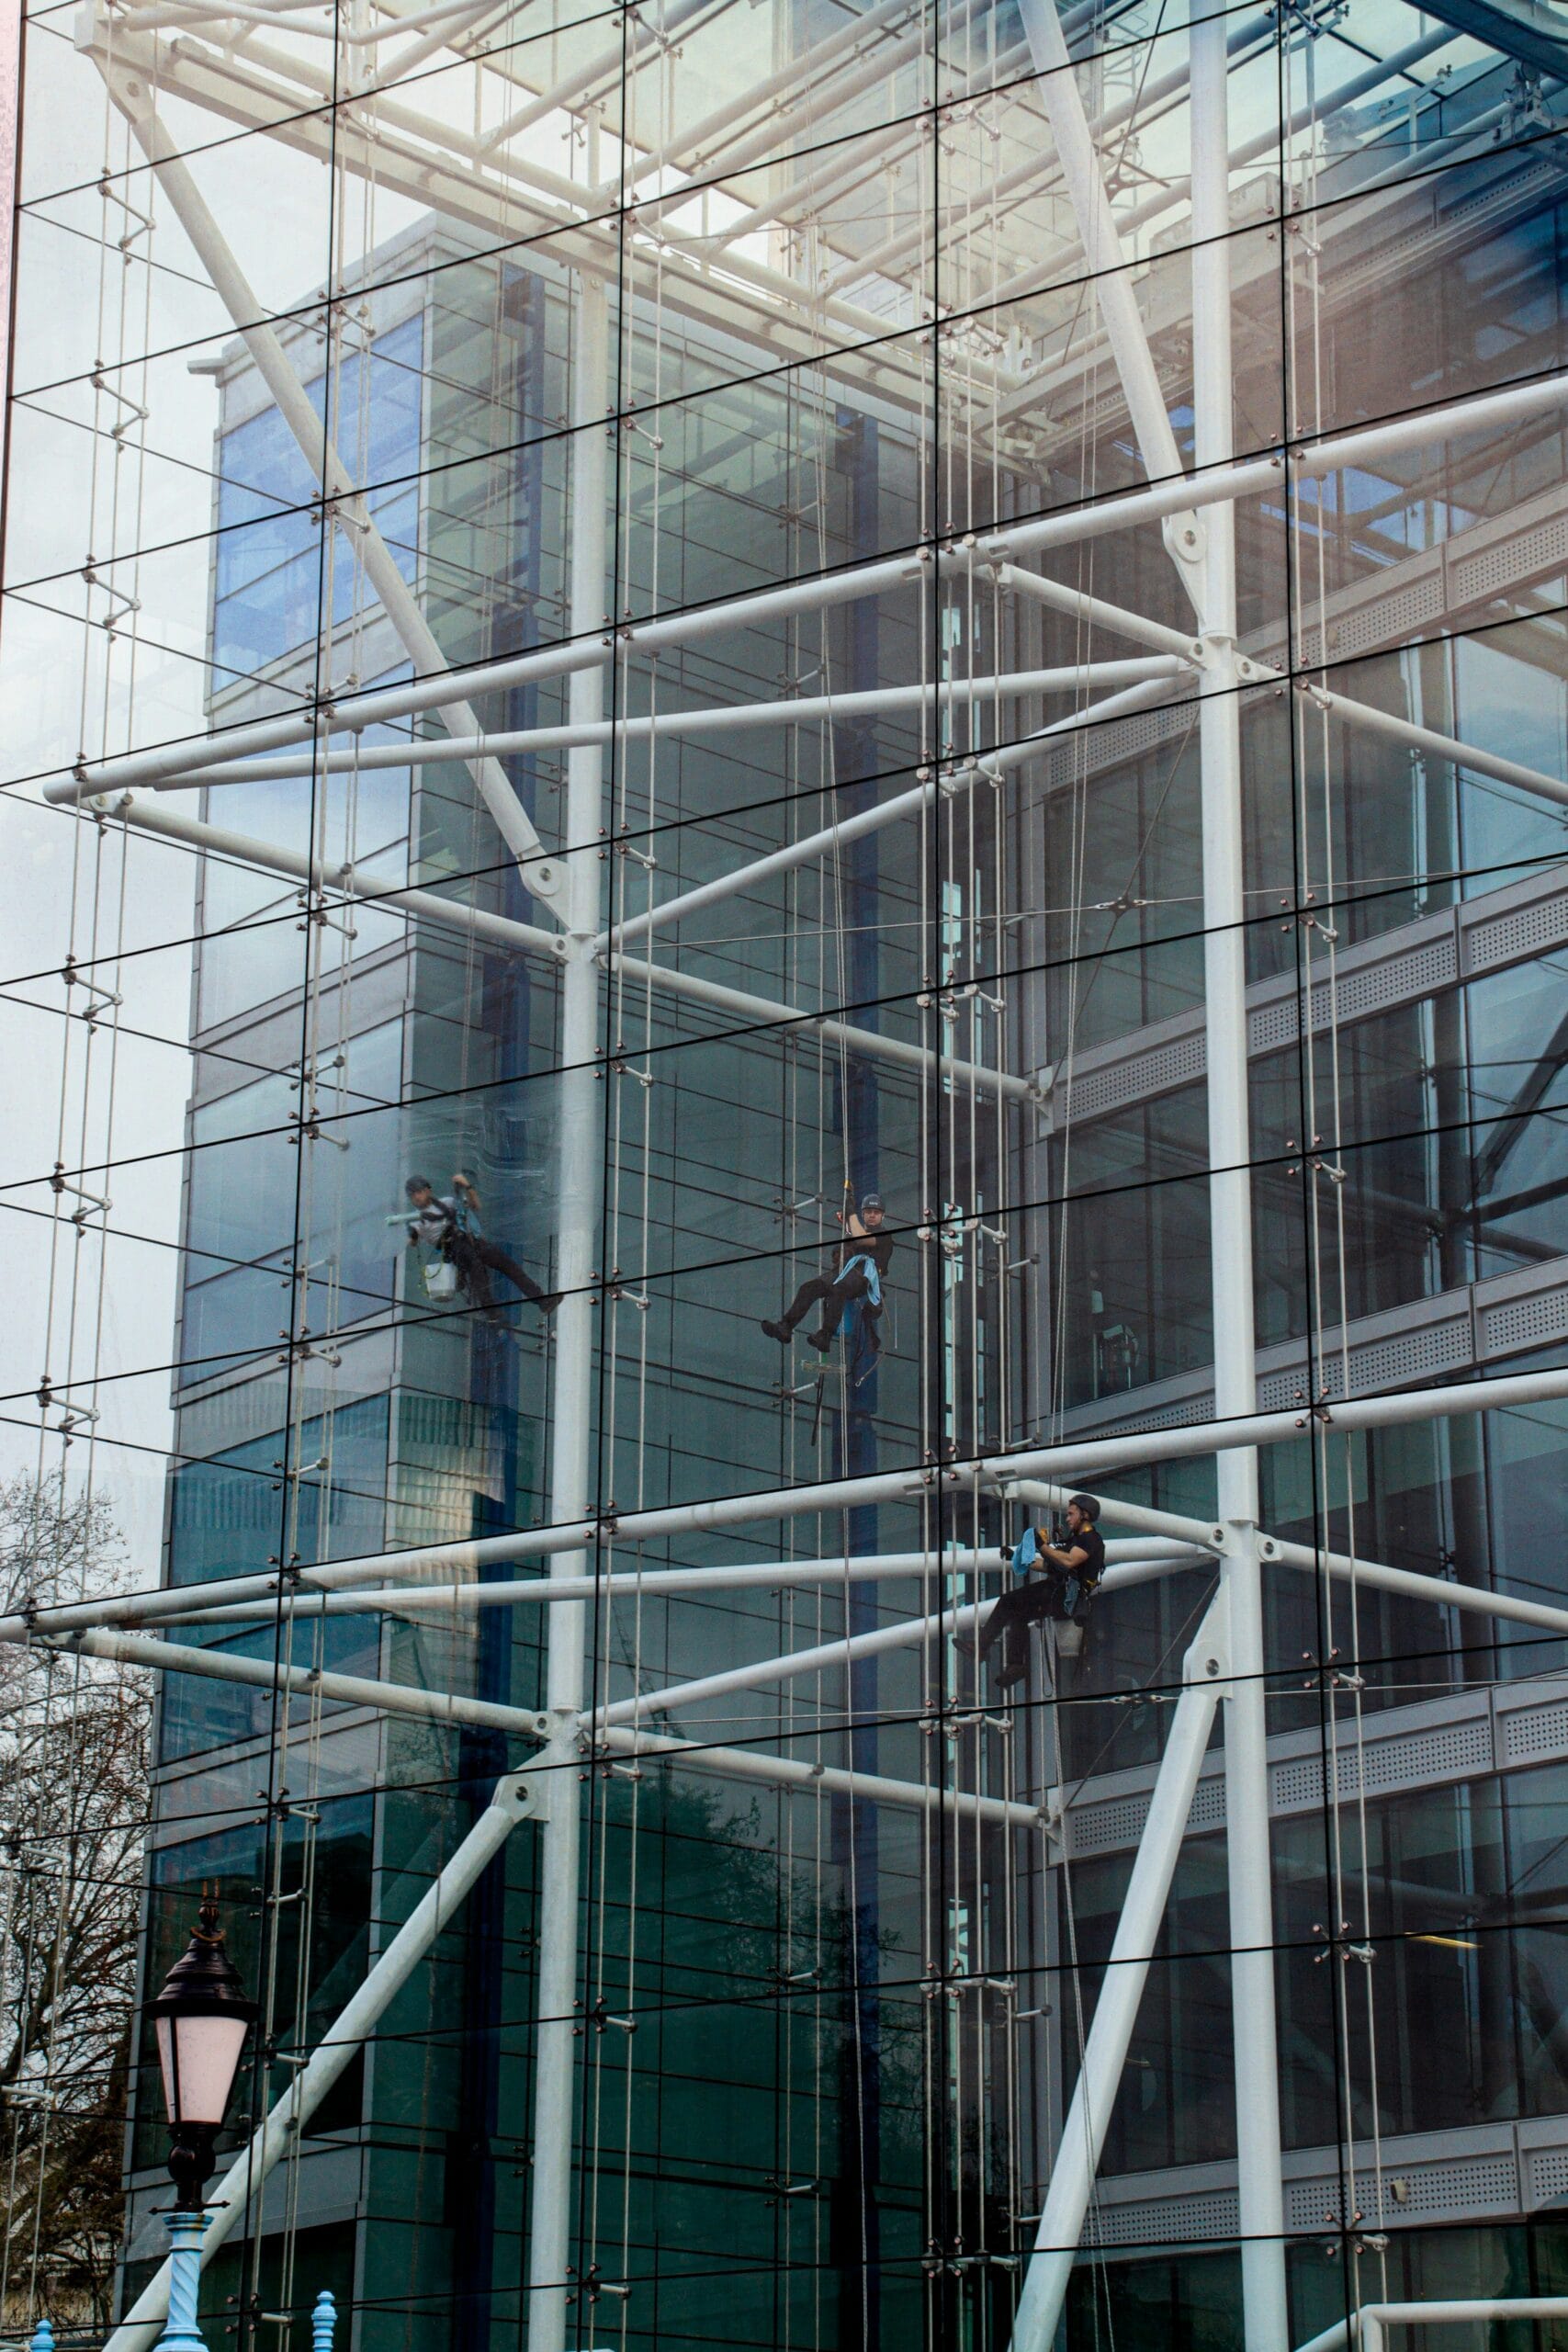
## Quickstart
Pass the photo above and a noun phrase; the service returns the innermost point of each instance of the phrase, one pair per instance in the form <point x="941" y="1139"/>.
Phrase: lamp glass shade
<point x="200" y="2054"/>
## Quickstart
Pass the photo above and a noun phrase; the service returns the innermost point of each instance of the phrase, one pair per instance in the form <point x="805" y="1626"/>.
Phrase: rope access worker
<point x="449" y="1223"/>
<point x="864" y="1256"/>
<point x="1069" y="1569"/>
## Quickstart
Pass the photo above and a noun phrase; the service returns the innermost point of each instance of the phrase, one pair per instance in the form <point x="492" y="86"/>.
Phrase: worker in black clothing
<point x="1069" y="1570"/>
<point x="450" y="1222"/>
<point x="863" y="1260"/>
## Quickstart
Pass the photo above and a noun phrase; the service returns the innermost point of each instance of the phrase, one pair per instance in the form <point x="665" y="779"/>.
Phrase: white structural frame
<point x="1369" y="2326"/>
<point x="1224" y="1669"/>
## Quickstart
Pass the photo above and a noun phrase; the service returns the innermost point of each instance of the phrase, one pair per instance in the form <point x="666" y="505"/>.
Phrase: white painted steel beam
<point x="1133" y="1560"/>
<point x="1361" y="716"/>
<point x="1249" y="1868"/>
<point x="345" y="501"/>
<point x="267" y="1674"/>
<point x="1367" y="2325"/>
<point x="1094" y="612"/>
<point x="946" y="780"/>
<point x="1079" y="1462"/>
<point x="432" y="906"/>
<point x="723" y="718"/>
<point x="352" y="881"/>
<point x="1121" y="1993"/>
<point x="516" y="1797"/>
<point x="1306" y="461"/>
<point x="580" y="1152"/>
<point x="769" y="1013"/>
<point x="1082" y="1461"/>
<point x="822" y="1659"/>
<point x="1058" y="91"/>
<point x="939" y="1803"/>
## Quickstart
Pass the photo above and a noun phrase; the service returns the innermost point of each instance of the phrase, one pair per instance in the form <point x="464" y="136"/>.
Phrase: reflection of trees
<point x="73" y="1758"/>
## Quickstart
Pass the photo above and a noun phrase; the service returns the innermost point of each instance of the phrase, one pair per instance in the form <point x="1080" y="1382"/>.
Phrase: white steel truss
<point x="216" y="59"/>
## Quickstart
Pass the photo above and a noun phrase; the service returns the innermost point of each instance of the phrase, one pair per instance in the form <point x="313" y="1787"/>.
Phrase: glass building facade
<point x="670" y="617"/>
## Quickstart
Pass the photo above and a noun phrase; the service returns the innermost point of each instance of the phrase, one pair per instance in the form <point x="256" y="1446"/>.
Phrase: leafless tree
<point x="74" y="1803"/>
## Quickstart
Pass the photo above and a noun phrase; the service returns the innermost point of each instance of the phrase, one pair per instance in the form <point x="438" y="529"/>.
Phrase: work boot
<point x="821" y="1340"/>
<point x="549" y="1300"/>
<point x="779" y="1332"/>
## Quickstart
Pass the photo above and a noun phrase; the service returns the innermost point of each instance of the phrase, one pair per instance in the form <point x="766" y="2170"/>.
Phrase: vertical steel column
<point x="1230" y="1227"/>
<point x="578" y="1168"/>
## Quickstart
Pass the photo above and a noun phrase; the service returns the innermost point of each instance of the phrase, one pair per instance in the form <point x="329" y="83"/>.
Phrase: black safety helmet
<point x="418" y="1184"/>
<point x="870" y="1201"/>
<point x="1087" y="1504"/>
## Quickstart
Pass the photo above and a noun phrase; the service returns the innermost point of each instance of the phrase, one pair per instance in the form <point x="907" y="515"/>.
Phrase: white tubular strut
<point x="579" y="1149"/>
<point x="1367" y="2325"/>
<point x="1109" y="273"/>
<point x="345" y="501"/>
<point x="1488" y="412"/>
<point x="1116" y="2011"/>
<point x="1230" y="1234"/>
<point x="516" y="1797"/>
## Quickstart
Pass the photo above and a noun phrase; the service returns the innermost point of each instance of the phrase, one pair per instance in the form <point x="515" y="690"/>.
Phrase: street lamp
<point x="202" y="2018"/>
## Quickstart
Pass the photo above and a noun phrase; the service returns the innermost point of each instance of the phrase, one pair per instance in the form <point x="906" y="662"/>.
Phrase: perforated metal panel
<point x="1530" y="1732"/>
<point x="1208" y="1806"/>
<point x="1397" y="977"/>
<point x="1177" y="1064"/>
<point x="1402" y="969"/>
<point x="1509" y="561"/>
<point x="1372" y="623"/>
<point x="1394" y="1362"/>
<point x="1099" y="1829"/>
<point x="1166" y="2221"/>
<point x="1177" y="1416"/>
<point x="1454" y="1751"/>
<point x="1524" y="1322"/>
<point x="1456" y="2186"/>
<point x="1119" y="1821"/>
<point x="1124" y="738"/>
<point x="1272" y="1025"/>
<point x="1448" y="1752"/>
<point x="1524" y="931"/>
<point x="1548" y="2173"/>
<point x="1295" y="1786"/>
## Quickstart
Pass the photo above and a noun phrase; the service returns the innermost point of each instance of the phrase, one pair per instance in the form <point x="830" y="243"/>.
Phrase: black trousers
<point x="834" y="1296"/>
<point x="1025" y="1605"/>
<point x="475" y="1259"/>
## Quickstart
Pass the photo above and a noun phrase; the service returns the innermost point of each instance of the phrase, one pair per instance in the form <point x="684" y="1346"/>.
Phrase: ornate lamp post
<point x="202" y="2017"/>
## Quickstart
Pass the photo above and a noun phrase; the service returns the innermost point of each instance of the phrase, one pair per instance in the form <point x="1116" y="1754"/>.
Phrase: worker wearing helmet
<point x="449" y="1223"/>
<point x="861" y="1262"/>
<point x="1057" y="1580"/>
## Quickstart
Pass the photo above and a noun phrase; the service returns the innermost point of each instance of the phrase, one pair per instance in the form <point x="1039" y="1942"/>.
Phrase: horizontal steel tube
<point x="266" y="1674"/>
<point x="722" y="719"/>
<point x="787" y="1773"/>
<point x="768" y="1012"/>
<point x="1082" y="1461"/>
<point x="1131" y="1561"/>
<point x="1446" y="2314"/>
<point x="1305" y="461"/>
